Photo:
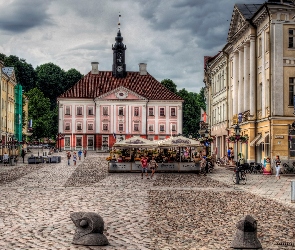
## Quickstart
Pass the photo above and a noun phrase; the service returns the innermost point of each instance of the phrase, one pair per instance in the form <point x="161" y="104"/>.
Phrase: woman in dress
<point x="278" y="166"/>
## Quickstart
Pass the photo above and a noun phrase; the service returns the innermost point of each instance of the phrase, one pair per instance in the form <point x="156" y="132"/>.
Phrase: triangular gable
<point x="237" y="22"/>
<point x="121" y="93"/>
<point x="9" y="71"/>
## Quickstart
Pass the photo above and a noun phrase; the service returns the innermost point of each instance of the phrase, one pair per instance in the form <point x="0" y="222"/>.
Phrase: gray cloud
<point x="19" y="16"/>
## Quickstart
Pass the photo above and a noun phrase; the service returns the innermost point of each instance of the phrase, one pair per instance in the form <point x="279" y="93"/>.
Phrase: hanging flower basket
<point x="231" y="139"/>
<point x="244" y="139"/>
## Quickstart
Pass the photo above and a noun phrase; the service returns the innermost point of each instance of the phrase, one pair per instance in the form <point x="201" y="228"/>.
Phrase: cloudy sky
<point x="171" y="36"/>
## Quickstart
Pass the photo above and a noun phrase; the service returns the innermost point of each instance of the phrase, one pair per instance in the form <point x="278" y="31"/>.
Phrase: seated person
<point x="120" y="159"/>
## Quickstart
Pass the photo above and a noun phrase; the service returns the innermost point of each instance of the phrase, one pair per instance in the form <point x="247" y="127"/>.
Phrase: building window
<point x="121" y="111"/>
<point x="173" y="112"/>
<point x="67" y="127"/>
<point x="292" y="142"/>
<point x="151" y="138"/>
<point x="90" y="110"/>
<point x="105" y="127"/>
<point x="67" y="141"/>
<point x="105" y="111"/>
<point x="105" y="141"/>
<point x="151" y="128"/>
<point x="162" y="111"/>
<point x="291" y="38"/>
<point x="79" y="110"/>
<point x="162" y="128"/>
<point x="68" y="110"/>
<point x="79" y="126"/>
<point x="121" y="127"/>
<point x="291" y="90"/>
<point x="136" y="111"/>
<point x="136" y="127"/>
<point x="90" y="126"/>
<point x="78" y="141"/>
<point x="173" y="127"/>
<point x="267" y="41"/>
<point x="90" y="142"/>
<point x="151" y="111"/>
<point x="259" y="47"/>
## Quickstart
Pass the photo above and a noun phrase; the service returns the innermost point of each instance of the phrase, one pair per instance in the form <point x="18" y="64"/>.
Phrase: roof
<point x="8" y="70"/>
<point x="248" y="10"/>
<point x="94" y="85"/>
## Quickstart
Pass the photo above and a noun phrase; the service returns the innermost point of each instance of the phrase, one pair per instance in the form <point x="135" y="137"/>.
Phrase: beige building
<point x="261" y="78"/>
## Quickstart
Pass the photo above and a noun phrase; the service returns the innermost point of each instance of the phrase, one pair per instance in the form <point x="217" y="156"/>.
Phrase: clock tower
<point x="119" y="66"/>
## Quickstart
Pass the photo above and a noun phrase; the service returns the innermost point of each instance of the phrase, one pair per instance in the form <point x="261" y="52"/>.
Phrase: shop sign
<point x="279" y="137"/>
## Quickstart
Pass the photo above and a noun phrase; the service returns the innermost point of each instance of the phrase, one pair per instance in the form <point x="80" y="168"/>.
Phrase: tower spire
<point x="119" y="23"/>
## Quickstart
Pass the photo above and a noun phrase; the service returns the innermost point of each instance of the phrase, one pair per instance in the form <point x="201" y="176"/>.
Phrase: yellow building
<point x="261" y="79"/>
<point x="8" y="82"/>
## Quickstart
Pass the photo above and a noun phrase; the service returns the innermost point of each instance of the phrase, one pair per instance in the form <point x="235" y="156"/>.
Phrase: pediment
<point x="121" y="93"/>
<point x="237" y="23"/>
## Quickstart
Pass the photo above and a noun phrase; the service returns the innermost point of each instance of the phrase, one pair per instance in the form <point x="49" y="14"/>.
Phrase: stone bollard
<point x="246" y="235"/>
<point x="89" y="229"/>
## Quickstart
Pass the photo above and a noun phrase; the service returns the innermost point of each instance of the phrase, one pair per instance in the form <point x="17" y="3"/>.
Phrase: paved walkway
<point x="171" y="211"/>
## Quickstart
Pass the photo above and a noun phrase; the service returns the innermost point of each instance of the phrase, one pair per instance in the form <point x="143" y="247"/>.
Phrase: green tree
<point x="169" y="84"/>
<point x="40" y="113"/>
<point x="51" y="79"/>
<point x="72" y="76"/>
<point x="24" y="72"/>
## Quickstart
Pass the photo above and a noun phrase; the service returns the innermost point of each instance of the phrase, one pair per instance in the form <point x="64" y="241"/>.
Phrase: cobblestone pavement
<point x="171" y="211"/>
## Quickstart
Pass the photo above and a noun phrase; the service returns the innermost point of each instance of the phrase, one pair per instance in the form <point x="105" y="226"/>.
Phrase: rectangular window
<point x="79" y="110"/>
<point x="291" y="38"/>
<point x="121" y="111"/>
<point x="259" y="97"/>
<point x="67" y="141"/>
<point x="151" y="128"/>
<point x="121" y="127"/>
<point x="90" y="142"/>
<point x="173" y="112"/>
<point x="105" y="127"/>
<point x="90" y="110"/>
<point x="136" y="111"/>
<point x="78" y="141"/>
<point x="267" y="41"/>
<point x="67" y="127"/>
<point x="162" y="111"/>
<point x="162" y="128"/>
<point x="259" y="47"/>
<point x="292" y="142"/>
<point x="68" y="110"/>
<point x="90" y="126"/>
<point x="291" y="90"/>
<point x="105" y="141"/>
<point x="79" y="126"/>
<point x="136" y="127"/>
<point x="151" y="111"/>
<point x="173" y="127"/>
<point x="105" y="111"/>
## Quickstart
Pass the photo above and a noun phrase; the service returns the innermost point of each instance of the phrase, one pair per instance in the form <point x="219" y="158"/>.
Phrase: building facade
<point x="261" y="73"/>
<point x="109" y="106"/>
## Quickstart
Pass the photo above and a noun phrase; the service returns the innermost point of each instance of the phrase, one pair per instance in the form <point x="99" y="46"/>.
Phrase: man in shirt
<point x="144" y="167"/>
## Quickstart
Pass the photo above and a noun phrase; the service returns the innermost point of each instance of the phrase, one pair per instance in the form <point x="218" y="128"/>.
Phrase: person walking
<point x="85" y="152"/>
<point x="144" y="167"/>
<point x="5" y="159"/>
<point x="278" y="166"/>
<point x="153" y="166"/>
<point x="69" y="157"/>
<point x="228" y="155"/>
<point x="23" y="153"/>
<point x="79" y="154"/>
<point x="74" y="158"/>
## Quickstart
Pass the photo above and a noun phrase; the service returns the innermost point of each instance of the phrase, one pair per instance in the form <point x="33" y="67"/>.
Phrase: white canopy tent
<point x="136" y="142"/>
<point x="178" y="141"/>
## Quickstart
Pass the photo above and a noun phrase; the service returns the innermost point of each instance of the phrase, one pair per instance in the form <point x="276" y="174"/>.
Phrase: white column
<point x="60" y="117"/>
<point x="97" y="118"/>
<point x="113" y="119"/>
<point x="144" y="117"/>
<point x="167" y="120"/>
<point x="246" y="77"/>
<point x="241" y="82"/>
<point x="252" y="78"/>
<point x="263" y="74"/>
<point x="156" y="119"/>
<point x="235" y="83"/>
<point x="179" y="114"/>
<point x="130" y="118"/>
<point x="84" y="119"/>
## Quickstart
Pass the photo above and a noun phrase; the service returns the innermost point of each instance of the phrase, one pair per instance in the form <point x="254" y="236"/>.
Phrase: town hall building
<point x="109" y="106"/>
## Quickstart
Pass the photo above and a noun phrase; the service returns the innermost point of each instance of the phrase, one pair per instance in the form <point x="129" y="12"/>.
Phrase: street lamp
<point x="237" y="134"/>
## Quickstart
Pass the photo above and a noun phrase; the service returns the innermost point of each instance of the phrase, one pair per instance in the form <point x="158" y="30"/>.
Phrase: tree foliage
<point x="169" y="84"/>
<point x="40" y="113"/>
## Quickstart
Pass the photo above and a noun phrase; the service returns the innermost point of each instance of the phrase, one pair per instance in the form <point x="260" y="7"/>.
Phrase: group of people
<point x="69" y="156"/>
<point x="148" y="163"/>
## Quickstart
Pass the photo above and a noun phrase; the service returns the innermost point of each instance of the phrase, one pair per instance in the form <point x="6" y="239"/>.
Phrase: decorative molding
<point x="289" y="61"/>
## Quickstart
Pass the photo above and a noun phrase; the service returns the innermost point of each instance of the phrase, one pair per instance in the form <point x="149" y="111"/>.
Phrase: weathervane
<point x="119" y="21"/>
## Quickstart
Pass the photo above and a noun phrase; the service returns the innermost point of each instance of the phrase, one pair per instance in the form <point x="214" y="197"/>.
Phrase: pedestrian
<point x="74" y="158"/>
<point x="232" y="155"/>
<point x="144" y="167"/>
<point x="69" y="157"/>
<point x="228" y="155"/>
<point x="79" y="154"/>
<point x="278" y="166"/>
<point x="23" y="153"/>
<point x="5" y="158"/>
<point x="85" y="152"/>
<point x="153" y="166"/>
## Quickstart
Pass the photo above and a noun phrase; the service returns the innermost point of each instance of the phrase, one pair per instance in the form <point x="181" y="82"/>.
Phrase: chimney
<point x="94" y="69"/>
<point x="142" y="69"/>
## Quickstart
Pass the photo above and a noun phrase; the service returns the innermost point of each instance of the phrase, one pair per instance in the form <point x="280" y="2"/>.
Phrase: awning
<point x="252" y="143"/>
<point x="262" y="139"/>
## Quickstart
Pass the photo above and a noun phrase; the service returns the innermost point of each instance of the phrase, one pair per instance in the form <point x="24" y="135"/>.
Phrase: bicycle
<point x="242" y="177"/>
<point x="288" y="169"/>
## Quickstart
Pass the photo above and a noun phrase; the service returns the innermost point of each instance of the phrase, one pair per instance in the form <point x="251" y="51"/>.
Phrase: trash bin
<point x="293" y="191"/>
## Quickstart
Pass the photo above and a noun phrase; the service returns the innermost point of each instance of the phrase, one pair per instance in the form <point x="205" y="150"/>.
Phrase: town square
<point x="147" y="124"/>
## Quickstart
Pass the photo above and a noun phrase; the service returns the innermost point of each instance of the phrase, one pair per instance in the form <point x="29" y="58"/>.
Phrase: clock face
<point x="119" y="68"/>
